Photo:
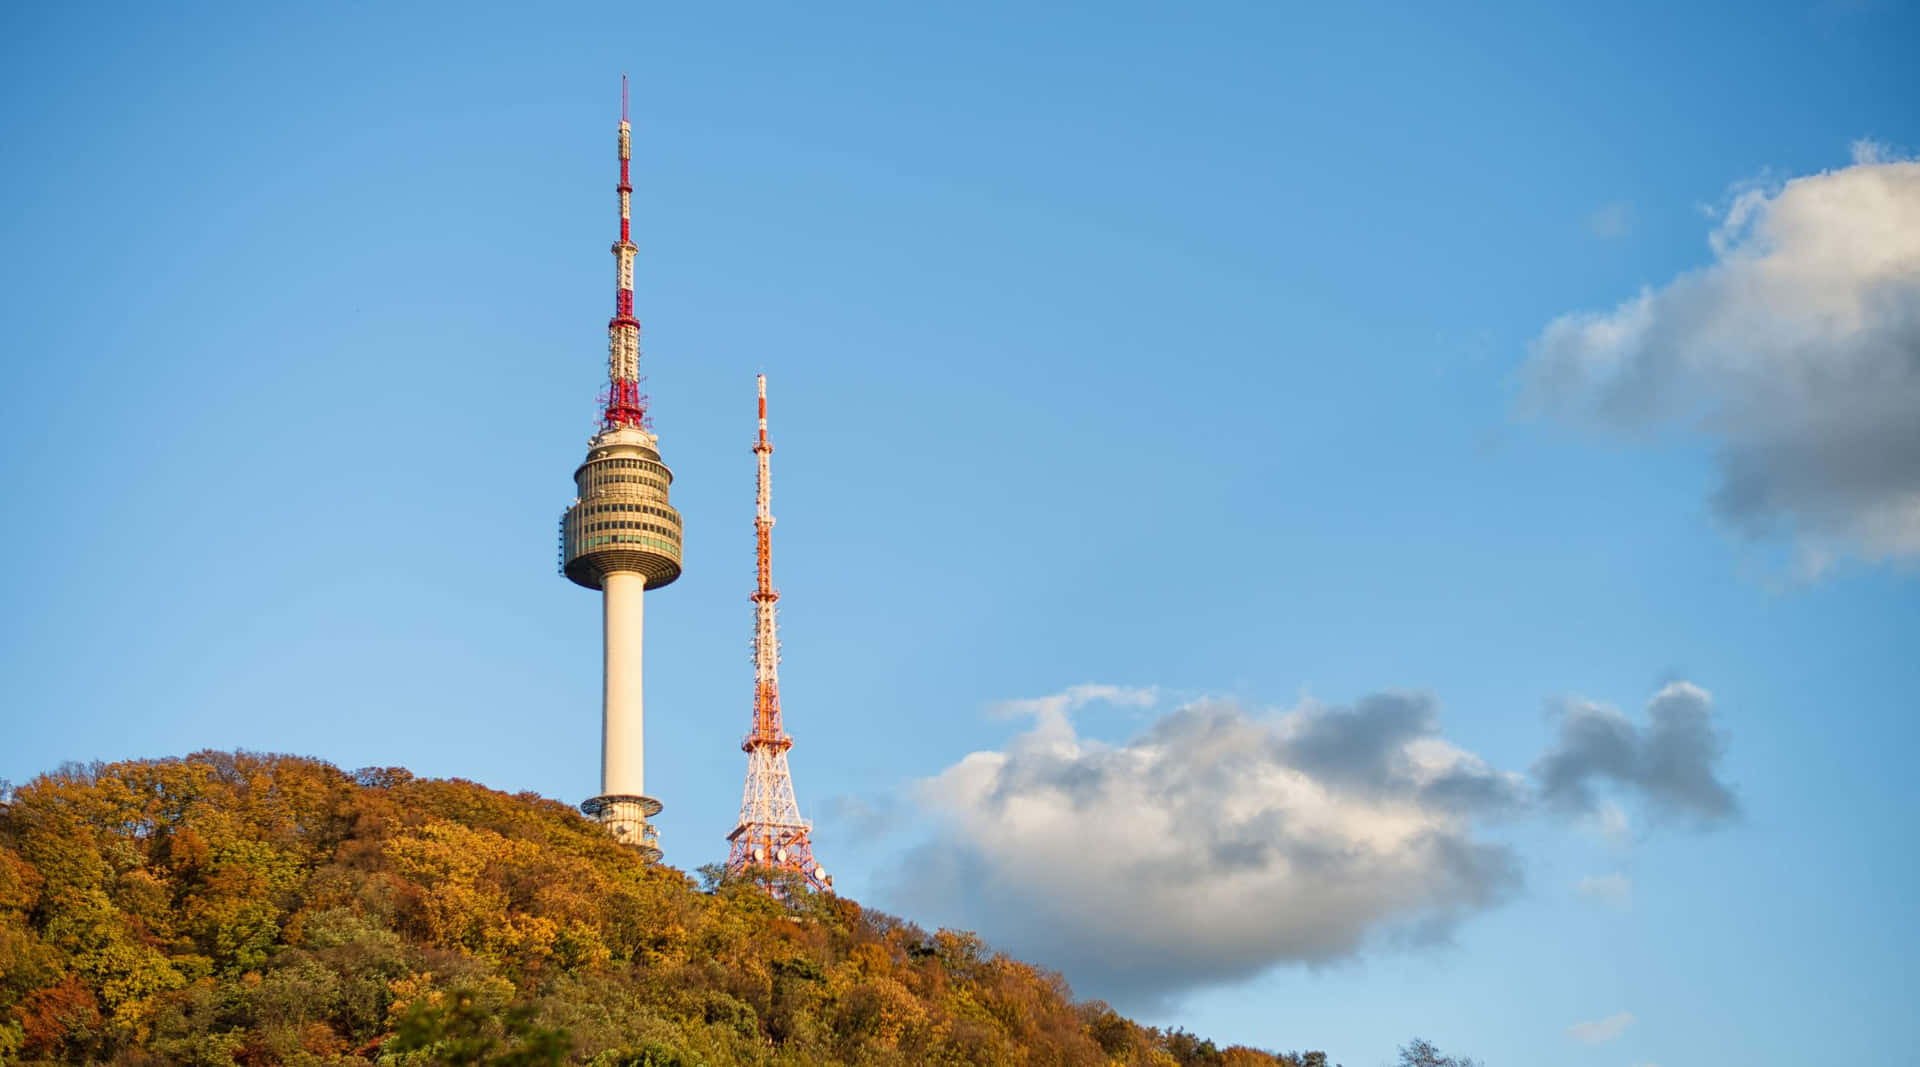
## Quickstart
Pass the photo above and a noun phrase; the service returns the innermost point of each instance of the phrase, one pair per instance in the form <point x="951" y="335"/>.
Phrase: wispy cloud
<point x="1615" y="890"/>
<point x="1601" y="1031"/>
<point x="1867" y="151"/>
<point x="866" y="817"/>
<point x="1611" y="222"/>
<point x="1610" y="821"/>
<point x="1075" y="697"/>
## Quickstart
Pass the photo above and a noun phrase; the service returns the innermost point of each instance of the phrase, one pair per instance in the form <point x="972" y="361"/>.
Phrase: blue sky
<point x="1191" y="354"/>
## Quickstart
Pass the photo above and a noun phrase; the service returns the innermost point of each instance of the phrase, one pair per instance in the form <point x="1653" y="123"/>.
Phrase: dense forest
<point x="250" y="909"/>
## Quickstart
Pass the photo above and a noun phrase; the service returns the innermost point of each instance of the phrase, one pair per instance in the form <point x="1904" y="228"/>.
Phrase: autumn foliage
<point x="249" y="909"/>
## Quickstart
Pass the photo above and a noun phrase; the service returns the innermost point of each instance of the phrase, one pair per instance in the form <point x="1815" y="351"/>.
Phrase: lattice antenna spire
<point x="766" y="635"/>
<point x="625" y="405"/>
<point x="771" y="833"/>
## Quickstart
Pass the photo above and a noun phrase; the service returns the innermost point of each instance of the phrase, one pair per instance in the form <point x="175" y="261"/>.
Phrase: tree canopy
<point x="236" y="908"/>
<point x="1421" y="1053"/>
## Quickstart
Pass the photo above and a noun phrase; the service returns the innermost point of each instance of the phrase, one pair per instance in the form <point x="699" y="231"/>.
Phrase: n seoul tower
<point x="620" y="536"/>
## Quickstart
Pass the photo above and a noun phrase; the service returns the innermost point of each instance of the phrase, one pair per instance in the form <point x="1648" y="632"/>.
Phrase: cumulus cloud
<point x="1601" y="1031"/>
<point x="1796" y="350"/>
<point x="1217" y="842"/>
<point x="1221" y="841"/>
<point x="1672" y="763"/>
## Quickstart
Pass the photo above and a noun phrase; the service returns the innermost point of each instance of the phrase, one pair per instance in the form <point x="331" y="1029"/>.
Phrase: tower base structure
<point x="774" y="847"/>
<point x="625" y="817"/>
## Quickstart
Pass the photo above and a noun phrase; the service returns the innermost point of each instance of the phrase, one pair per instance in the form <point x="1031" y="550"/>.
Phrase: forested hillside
<point x="247" y="909"/>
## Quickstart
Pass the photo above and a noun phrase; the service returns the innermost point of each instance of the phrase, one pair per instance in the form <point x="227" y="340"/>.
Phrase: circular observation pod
<point x="620" y="804"/>
<point x="620" y="519"/>
<point x="625" y="816"/>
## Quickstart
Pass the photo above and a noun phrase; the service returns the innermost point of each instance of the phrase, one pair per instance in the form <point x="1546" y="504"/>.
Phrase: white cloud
<point x="1797" y="350"/>
<point x="1222" y="841"/>
<point x="1615" y="890"/>
<point x="1601" y="1031"/>
<point x="1868" y="150"/>
<point x="1216" y="843"/>
<point x="1051" y="710"/>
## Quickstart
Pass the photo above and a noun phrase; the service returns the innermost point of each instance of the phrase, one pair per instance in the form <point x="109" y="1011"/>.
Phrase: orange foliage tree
<point x="234" y="908"/>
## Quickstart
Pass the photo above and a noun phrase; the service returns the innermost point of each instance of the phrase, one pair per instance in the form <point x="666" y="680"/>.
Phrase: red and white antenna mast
<point x="625" y="405"/>
<point x="771" y="833"/>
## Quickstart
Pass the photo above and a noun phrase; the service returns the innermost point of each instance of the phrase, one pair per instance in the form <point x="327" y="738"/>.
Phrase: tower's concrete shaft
<point x="623" y="745"/>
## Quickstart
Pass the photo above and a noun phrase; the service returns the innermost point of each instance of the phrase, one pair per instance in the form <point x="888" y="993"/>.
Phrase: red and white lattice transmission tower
<point x="771" y="834"/>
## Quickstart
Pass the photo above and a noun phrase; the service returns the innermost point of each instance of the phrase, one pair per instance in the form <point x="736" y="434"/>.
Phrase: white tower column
<point x="622" y="738"/>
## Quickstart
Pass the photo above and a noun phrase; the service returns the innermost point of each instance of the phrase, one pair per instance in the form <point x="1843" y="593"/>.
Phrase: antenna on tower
<point x="625" y="405"/>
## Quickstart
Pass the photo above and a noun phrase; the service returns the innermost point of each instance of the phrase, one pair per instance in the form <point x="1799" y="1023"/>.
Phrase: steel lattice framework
<point x="625" y="405"/>
<point x="771" y="833"/>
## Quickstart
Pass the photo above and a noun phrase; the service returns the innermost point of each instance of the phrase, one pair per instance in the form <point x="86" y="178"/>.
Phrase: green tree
<point x="466" y="1029"/>
<point x="1421" y="1053"/>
